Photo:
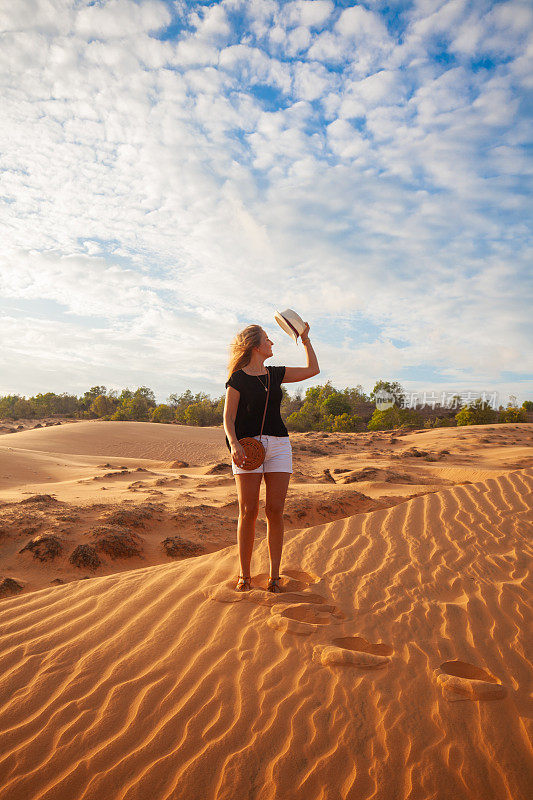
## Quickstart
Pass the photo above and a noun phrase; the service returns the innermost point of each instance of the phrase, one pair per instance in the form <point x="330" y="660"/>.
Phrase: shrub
<point x="85" y="402"/>
<point x="308" y="418"/>
<point x="527" y="405"/>
<point x="439" y="422"/>
<point x="162" y="413"/>
<point x="23" y="409"/>
<point x="445" y="422"/>
<point x="201" y="414"/>
<point x="348" y="423"/>
<point x="7" y="405"/>
<point x="137" y="408"/>
<point x="44" y="547"/>
<point x="147" y="394"/>
<point x="102" y="405"/>
<point x="85" y="557"/>
<point x="335" y="404"/>
<point x="477" y="413"/>
<point x="297" y="421"/>
<point x="394" y="417"/>
<point x="52" y="403"/>
<point x="513" y="415"/>
<point x="121" y="414"/>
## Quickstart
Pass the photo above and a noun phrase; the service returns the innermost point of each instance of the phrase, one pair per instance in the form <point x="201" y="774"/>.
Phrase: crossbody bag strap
<point x="266" y="403"/>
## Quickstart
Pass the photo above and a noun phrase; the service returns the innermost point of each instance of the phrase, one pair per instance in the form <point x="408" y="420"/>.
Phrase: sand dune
<point x="393" y="665"/>
<point x="138" y="440"/>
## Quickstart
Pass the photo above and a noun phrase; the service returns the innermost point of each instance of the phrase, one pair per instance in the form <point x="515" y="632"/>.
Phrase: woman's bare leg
<point x="277" y="484"/>
<point x="248" y="487"/>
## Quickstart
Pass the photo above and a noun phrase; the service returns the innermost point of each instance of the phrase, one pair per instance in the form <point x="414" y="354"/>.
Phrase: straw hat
<point x="291" y="323"/>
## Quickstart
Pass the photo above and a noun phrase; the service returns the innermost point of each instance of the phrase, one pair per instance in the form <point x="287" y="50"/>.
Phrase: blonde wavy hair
<point x="242" y="346"/>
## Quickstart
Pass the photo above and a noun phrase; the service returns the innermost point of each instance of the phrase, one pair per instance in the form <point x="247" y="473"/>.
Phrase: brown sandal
<point x="243" y="584"/>
<point x="273" y="585"/>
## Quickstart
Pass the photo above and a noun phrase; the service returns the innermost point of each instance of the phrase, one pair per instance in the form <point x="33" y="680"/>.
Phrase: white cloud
<point x="259" y="15"/>
<point x="327" y="47"/>
<point x="360" y="25"/>
<point x="345" y="141"/>
<point x="296" y="41"/>
<point x="383" y="88"/>
<point x="250" y="65"/>
<point x="309" y="13"/>
<point x="211" y="24"/>
<point x="448" y="92"/>
<point x="495" y="104"/>
<point x="121" y="18"/>
<point x="85" y="285"/>
<point x="51" y="17"/>
<point x="508" y="26"/>
<point x="359" y="37"/>
<point x="312" y="81"/>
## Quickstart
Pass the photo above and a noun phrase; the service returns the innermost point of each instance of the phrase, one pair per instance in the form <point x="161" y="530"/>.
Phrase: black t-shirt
<point x="252" y="403"/>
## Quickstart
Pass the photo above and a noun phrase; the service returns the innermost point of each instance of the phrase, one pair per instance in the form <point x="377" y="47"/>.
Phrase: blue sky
<point x="173" y="171"/>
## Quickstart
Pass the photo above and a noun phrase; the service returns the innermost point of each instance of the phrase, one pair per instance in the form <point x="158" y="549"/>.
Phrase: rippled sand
<point x="394" y="664"/>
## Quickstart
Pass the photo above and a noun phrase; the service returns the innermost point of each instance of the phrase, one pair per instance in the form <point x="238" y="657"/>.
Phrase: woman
<point x="246" y="391"/>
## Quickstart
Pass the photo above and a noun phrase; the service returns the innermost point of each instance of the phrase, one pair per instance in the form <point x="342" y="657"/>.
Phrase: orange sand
<point x="393" y="665"/>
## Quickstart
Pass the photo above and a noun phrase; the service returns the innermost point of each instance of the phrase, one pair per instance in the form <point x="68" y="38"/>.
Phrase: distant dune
<point x="394" y="665"/>
<point x="124" y="439"/>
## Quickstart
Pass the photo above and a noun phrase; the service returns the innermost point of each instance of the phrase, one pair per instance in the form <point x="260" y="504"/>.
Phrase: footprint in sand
<point x="302" y="618"/>
<point x="354" y="651"/>
<point x="292" y="582"/>
<point x="463" y="681"/>
<point x="293" y="609"/>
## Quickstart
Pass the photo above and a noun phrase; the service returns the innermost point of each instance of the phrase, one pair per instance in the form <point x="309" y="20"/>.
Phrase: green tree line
<point x="321" y="408"/>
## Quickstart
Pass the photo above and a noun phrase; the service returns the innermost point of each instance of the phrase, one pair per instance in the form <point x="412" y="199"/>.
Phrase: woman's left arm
<point x="293" y="374"/>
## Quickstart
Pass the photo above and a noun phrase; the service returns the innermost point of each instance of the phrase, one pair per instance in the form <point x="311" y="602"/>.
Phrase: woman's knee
<point x="248" y="491"/>
<point x="249" y="511"/>
<point x="274" y="509"/>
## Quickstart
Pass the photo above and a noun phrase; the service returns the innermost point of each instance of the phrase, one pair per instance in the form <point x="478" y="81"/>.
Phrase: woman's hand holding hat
<point x="304" y="336"/>
<point x="292" y="323"/>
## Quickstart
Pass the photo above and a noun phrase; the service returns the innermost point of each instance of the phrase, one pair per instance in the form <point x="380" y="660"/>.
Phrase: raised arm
<point x="294" y="374"/>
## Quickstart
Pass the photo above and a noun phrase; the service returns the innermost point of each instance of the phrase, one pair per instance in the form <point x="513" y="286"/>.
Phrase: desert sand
<point x="396" y="663"/>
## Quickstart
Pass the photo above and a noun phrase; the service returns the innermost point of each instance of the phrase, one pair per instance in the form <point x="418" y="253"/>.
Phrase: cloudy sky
<point x="174" y="171"/>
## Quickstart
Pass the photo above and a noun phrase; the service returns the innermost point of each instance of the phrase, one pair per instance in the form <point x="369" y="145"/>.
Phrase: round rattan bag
<point x="254" y="453"/>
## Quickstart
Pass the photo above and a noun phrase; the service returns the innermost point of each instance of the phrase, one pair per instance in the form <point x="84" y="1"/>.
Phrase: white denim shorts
<point x="278" y="456"/>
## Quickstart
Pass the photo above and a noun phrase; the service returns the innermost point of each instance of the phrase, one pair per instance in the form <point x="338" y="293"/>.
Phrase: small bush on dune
<point x="394" y="417"/>
<point x="513" y="415"/>
<point x="440" y="422"/>
<point x="44" y="547"/>
<point x="335" y="404"/>
<point x="478" y="413"/>
<point x="102" y="406"/>
<point x="120" y="414"/>
<point x="308" y="418"/>
<point x="200" y="414"/>
<point x="85" y="557"/>
<point x="117" y="543"/>
<point x="162" y="413"/>
<point x="347" y="423"/>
